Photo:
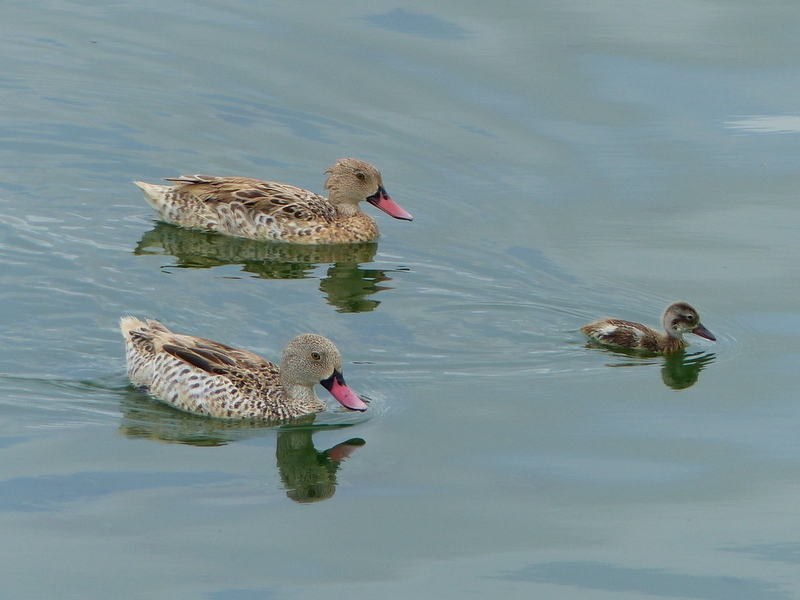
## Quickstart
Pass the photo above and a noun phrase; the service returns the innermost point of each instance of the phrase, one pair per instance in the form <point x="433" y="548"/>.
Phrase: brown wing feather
<point x="272" y="198"/>
<point x="214" y="357"/>
<point x="199" y="359"/>
<point x="621" y="323"/>
<point x="627" y="334"/>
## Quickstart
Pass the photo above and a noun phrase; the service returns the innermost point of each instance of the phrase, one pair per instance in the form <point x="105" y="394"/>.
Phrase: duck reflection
<point x="679" y="371"/>
<point x="308" y="474"/>
<point x="145" y="418"/>
<point x="346" y="286"/>
<point x="682" y="370"/>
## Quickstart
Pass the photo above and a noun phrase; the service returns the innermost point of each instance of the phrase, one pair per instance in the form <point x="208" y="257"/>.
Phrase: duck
<point x="266" y="210"/>
<point x="211" y="379"/>
<point x="679" y="318"/>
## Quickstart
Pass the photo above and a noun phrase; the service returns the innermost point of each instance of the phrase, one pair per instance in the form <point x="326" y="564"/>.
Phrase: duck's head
<point x="351" y="181"/>
<point x="310" y="359"/>
<point x="680" y="318"/>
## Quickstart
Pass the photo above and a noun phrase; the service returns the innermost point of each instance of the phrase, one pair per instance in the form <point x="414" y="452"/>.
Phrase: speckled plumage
<point x="679" y="318"/>
<point x="211" y="379"/>
<point x="266" y="210"/>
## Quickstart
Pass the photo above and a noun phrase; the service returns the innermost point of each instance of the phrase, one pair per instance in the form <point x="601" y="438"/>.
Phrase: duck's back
<point x="202" y="376"/>
<point x="626" y="334"/>
<point x="256" y="209"/>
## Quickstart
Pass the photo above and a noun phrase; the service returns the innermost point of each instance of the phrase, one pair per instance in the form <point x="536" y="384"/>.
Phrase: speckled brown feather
<point x="279" y="200"/>
<point x="208" y="378"/>
<point x="266" y="210"/>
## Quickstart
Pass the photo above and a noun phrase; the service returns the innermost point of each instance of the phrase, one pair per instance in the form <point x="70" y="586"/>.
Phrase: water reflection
<point x="143" y="417"/>
<point x="346" y="286"/>
<point x="308" y="474"/>
<point x="679" y="371"/>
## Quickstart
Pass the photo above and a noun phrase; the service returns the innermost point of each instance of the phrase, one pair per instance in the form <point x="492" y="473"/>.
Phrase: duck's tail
<point x="156" y="195"/>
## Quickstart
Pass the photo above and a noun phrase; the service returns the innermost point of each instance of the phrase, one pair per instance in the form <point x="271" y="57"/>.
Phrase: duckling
<point x="211" y="379"/>
<point x="679" y="318"/>
<point x="266" y="210"/>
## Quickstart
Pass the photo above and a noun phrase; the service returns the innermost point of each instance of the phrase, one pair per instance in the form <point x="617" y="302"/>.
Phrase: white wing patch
<point x="611" y="330"/>
<point x="606" y="330"/>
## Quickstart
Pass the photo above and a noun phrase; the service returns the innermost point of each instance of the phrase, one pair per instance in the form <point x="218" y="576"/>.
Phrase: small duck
<point x="265" y="210"/>
<point x="211" y="379"/>
<point x="679" y="318"/>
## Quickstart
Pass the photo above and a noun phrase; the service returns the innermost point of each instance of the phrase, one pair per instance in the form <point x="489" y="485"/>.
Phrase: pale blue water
<point x="563" y="161"/>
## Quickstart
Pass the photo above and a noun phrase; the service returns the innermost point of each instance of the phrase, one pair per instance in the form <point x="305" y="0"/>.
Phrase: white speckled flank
<point x="208" y="378"/>
<point x="265" y="210"/>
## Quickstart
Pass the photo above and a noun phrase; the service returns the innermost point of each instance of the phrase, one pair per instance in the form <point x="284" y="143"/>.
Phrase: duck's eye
<point x="316" y="355"/>
<point x="361" y="176"/>
<point x="690" y="318"/>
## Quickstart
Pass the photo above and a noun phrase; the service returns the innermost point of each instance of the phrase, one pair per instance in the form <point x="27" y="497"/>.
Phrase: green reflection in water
<point x="679" y="371"/>
<point x="308" y="474"/>
<point x="346" y="286"/>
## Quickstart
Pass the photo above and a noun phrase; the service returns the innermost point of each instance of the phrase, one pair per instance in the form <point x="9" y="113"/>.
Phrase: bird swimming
<point x="679" y="318"/>
<point x="267" y="210"/>
<point x="203" y="377"/>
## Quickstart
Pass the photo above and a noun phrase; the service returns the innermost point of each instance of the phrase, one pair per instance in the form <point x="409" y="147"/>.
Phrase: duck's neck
<point x="671" y="341"/>
<point x="301" y="399"/>
<point x="348" y="209"/>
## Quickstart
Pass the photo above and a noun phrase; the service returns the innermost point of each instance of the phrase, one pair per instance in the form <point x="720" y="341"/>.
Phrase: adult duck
<point x="266" y="210"/>
<point x="211" y="379"/>
<point x="679" y="318"/>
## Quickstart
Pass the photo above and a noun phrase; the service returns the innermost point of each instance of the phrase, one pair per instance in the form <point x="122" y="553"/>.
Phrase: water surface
<point x="563" y="161"/>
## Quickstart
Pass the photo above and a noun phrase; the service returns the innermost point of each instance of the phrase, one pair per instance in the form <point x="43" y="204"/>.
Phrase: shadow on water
<point x="347" y="286"/>
<point x="308" y="474"/>
<point x="678" y="371"/>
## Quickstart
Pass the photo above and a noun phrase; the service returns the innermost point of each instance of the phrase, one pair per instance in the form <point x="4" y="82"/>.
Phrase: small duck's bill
<point x="704" y="333"/>
<point x="338" y="388"/>
<point x="381" y="200"/>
